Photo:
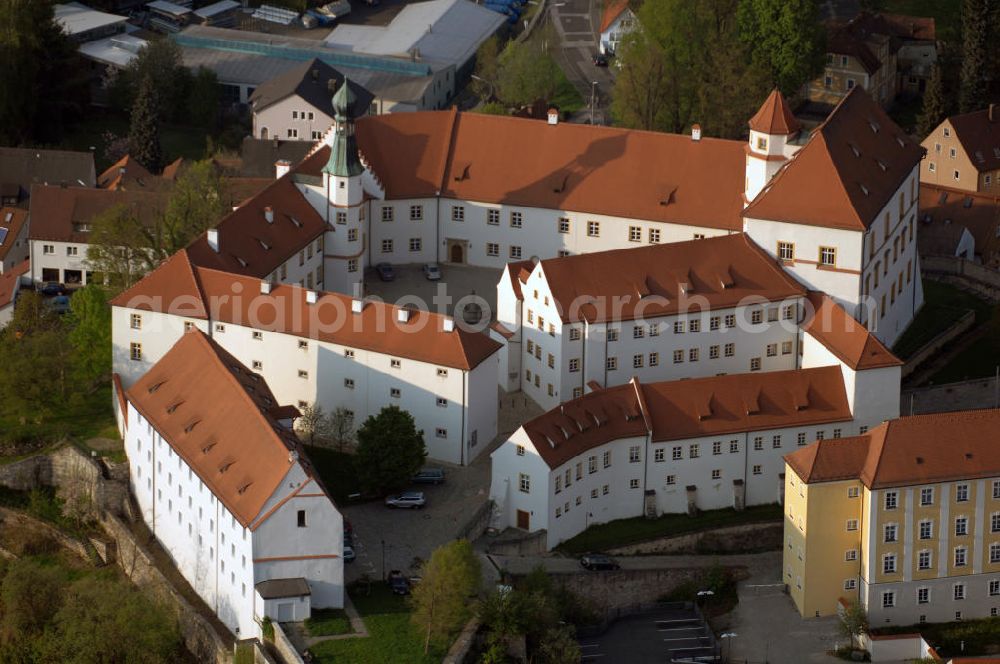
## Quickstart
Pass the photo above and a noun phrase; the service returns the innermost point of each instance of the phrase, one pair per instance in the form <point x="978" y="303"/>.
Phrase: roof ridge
<point x="449" y="155"/>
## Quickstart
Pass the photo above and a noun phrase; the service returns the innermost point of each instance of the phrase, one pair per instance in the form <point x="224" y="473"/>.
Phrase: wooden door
<point x="456" y="253"/>
<point x="523" y="520"/>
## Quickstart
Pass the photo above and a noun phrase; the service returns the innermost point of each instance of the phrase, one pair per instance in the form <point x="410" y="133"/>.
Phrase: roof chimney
<point x="311" y="296"/>
<point x="403" y="315"/>
<point x="265" y="287"/>
<point x="356" y="306"/>
<point x="269" y="214"/>
<point x="449" y="324"/>
<point x="553" y="115"/>
<point x="281" y="167"/>
<point x="696" y="132"/>
<point x="213" y="239"/>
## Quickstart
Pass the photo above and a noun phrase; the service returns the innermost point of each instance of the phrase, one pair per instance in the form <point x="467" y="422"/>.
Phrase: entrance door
<point x="286" y="612"/>
<point x="523" y="520"/>
<point x="457" y="254"/>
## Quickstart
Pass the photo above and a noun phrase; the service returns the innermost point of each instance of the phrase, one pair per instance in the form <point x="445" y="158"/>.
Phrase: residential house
<point x="617" y="20"/>
<point x="963" y="152"/>
<point x="886" y="54"/>
<point x="296" y="106"/>
<point x="904" y="519"/>
<point x="10" y="285"/>
<point x="21" y="168"/>
<point x="13" y="238"/>
<point x="225" y="487"/>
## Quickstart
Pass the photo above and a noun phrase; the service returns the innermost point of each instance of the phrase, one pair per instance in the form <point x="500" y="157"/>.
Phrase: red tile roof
<point x="979" y="213"/>
<point x="775" y="116"/>
<point x="9" y="282"/>
<point x="921" y="449"/>
<point x="980" y="137"/>
<point x="612" y="10"/>
<point x="683" y="409"/>
<point x="181" y="288"/>
<point x="845" y="174"/>
<point x="252" y="246"/>
<point x="213" y="412"/>
<point x="57" y="212"/>
<point x="718" y="272"/>
<point x="845" y="337"/>
<point x="654" y="176"/>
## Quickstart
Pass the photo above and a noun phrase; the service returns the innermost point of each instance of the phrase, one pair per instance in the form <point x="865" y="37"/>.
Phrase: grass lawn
<point x="979" y="360"/>
<point x="567" y="99"/>
<point x="84" y="416"/>
<point x="969" y="637"/>
<point x="337" y="470"/>
<point x="393" y="638"/>
<point x="946" y="14"/>
<point x="943" y="305"/>
<point x="630" y="531"/>
<point x="328" y="622"/>
<point x="177" y="140"/>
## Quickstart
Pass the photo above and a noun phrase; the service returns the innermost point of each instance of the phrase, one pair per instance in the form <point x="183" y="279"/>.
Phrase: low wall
<point x="463" y="644"/>
<point x="284" y="646"/>
<point x="610" y="591"/>
<point x="765" y="536"/>
<point x="931" y="348"/>
<point x="985" y="277"/>
<point x="476" y="524"/>
<point x="529" y="544"/>
<point x="897" y="647"/>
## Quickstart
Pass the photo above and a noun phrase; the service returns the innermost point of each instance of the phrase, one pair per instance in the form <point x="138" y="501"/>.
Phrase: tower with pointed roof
<point x="344" y="241"/>
<point x="772" y="131"/>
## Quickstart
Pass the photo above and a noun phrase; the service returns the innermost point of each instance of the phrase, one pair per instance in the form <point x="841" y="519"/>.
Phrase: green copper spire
<point x="344" y="160"/>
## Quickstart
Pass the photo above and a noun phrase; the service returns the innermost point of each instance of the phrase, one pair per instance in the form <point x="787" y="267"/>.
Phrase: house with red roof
<point x="617" y="20"/>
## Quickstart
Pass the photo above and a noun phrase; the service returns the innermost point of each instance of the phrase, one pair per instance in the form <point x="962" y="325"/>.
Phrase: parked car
<point x="600" y="60"/>
<point x="385" y="272"/>
<point x="432" y="271"/>
<point x="414" y="499"/>
<point x="429" y="476"/>
<point x="398" y="583"/>
<point x="598" y="561"/>
<point x="51" y="288"/>
<point x="349" y="555"/>
<point x="59" y="304"/>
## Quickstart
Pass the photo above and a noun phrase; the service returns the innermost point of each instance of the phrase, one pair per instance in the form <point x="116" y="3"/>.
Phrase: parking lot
<point x="457" y="282"/>
<point x="675" y="632"/>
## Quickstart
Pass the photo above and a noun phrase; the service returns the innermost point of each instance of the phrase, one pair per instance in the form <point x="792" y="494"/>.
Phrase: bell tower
<point x="344" y="242"/>
<point x="772" y="129"/>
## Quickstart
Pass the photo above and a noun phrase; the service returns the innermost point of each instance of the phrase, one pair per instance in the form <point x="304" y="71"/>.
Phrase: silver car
<point x="432" y="271"/>
<point x="414" y="499"/>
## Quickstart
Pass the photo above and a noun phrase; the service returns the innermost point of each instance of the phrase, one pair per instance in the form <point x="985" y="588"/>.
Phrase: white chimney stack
<point x="269" y="214"/>
<point x="356" y="306"/>
<point x="265" y="287"/>
<point x="553" y="116"/>
<point x="213" y="239"/>
<point x="403" y="315"/>
<point x="311" y="296"/>
<point x="281" y="168"/>
<point x="696" y="132"/>
<point x="449" y="324"/>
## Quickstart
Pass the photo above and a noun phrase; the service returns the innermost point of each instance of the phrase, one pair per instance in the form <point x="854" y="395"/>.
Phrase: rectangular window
<point x="850" y="555"/>
<point x="654" y="359"/>
<point x="607" y="460"/>
<point x="693" y="450"/>
<point x="678" y="356"/>
<point x="959" y="594"/>
<point x="416" y="212"/>
<point x="492" y="249"/>
<point x="515" y="252"/>
<point x="387" y="246"/>
<point x="827" y="256"/>
<point x="729" y="349"/>
<point x="634" y="234"/>
<point x="612" y="363"/>
<point x="637" y="361"/>
<point x="926" y="529"/>
<point x="493" y="217"/>
<point x="713" y="352"/>
<point x="960" y="556"/>
<point x="388" y="213"/>
<point x="890" y="531"/>
<point x="135" y="352"/>
<point x="786" y="251"/>
<point x="524" y="483"/>
<point x="889" y="563"/>
<point x="416" y="244"/>
<point x="755" y="364"/>
<point x="891" y="498"/>
<point x="693" y="355"/>
<point x="136" y="321"/>
<point x="516" y="219"/>
<point x="961" y="526"/>
<point x="564" y="225"/>
<point x="633" y="454"/>
<point x="654" y="236"/>
<point x="574" y="365"/>
<point x="457" y="213"/>
<point x="924" y="560"/>
<point x="927" y="496"/>
<point x="961" y="493"/>
<point x="593" y="229"/>
<point x="852" y="525"/>
<point x="757" y="470"/>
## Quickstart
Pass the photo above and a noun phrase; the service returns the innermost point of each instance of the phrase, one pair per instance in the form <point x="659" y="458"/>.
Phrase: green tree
<point x="390" y="449"/>
<point x="933" y="111"/>
<point x="161" y="63"/>
<point x="787" y="37"/>
<point x="31" y="595"/>
<point x="975" y="40"/>
<point x="313" y="423"/>
<point x="559" y="646"/>
<point x="122" y="247"/>
<point x="441" y="599"/>
<point x="526" y="73"/>
<point x="487" y="69"/>
<point x="341" y="426"/>
<point x="195" y="205"/>
<point x="90" y="333"/>
<point x="144" y="128"/>
<point x="108" y="621"/>
<point x="853" y="621"/>
<point x="203" y="99"/>
<point x="640" y="96"/>
<point x="491" y="108"/>
<point x="43" y="81"/>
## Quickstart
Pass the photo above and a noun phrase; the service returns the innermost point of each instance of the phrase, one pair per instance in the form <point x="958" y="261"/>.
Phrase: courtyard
<point x="410" y="286"/>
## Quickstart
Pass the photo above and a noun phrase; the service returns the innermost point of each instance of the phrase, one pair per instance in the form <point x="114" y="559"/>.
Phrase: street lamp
<point x="727" y="636"/>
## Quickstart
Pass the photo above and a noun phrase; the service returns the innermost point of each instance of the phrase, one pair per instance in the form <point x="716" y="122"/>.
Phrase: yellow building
<point x="904" y="519"/>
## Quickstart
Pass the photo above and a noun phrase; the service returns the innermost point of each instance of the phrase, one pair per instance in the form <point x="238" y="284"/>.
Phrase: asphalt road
<point x="576" y="23"/>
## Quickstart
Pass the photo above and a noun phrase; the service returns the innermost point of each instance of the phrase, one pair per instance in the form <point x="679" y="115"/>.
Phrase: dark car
<point x="52" y="288"/>
<point x="349" y="555"/>
<point x="429" y="476"/>
<point x="385" y="272"/>
<point x="398" y="583"/>
<point x="59" y="304"/>
<point x="600" y="60"/>
<point x="598" y="561"/>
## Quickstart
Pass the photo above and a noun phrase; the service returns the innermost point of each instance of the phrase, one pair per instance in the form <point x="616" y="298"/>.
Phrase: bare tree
<point x="341" y="426"/>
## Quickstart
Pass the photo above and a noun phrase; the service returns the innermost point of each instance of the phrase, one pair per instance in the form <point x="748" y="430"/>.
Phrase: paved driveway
<point x="576" y="23"/>
<point x="457" y="282"/>
<point x="647" y="638"/>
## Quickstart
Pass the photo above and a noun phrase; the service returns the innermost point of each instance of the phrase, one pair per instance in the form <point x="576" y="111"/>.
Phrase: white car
<point x="432" y="271"/>
<point x="414" y="499"/>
